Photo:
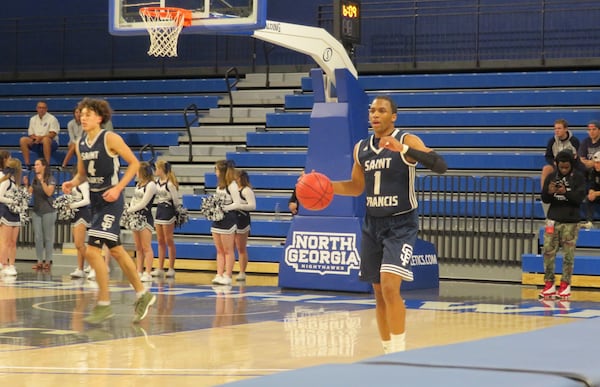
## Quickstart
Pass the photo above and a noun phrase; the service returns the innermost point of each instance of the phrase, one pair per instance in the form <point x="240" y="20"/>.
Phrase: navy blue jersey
<point x="101" y="166"/>
<point x="389" y="178"/>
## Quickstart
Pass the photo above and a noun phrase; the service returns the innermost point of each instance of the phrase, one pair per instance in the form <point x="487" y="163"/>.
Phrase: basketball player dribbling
<point x="385" y="168"/>
<point x="98" y="153"/>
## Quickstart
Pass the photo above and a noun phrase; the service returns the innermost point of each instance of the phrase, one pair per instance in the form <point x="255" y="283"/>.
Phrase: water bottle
<point x="277" y="210"/>
<point x="549" y="226"/>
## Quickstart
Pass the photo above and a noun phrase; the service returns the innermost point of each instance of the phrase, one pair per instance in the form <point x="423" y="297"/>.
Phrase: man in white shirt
<point x="42" y="134"/>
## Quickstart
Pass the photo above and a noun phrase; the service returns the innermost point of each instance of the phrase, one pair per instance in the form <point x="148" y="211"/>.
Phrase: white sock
<point x="139" y="294"/>
<point x="398" y="343"/>
<point x="103" y="303"/>
<point x="386" y="346"/>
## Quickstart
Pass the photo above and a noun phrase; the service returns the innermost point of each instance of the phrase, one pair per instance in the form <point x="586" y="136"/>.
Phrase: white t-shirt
<point x="42" y="126"/>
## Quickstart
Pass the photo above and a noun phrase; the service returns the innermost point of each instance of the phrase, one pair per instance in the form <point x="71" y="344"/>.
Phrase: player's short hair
<point x="393" y="105"/>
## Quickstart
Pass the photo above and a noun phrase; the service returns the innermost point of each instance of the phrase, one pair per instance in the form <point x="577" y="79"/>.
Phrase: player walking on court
<point x="98" y="155"/>
<point x="385" y="168"/>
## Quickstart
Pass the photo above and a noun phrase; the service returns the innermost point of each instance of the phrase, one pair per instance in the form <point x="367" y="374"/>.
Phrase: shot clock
<point x="346" y="21"/>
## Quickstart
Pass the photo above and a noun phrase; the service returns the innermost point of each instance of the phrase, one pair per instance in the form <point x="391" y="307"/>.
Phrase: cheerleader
<point x="248" y="201"/>
<point x="80" y="223"/>
<point x="11" y="221"/>
<point x="4" y="156"/>
<point x="223" y="231"/>
<point x="141" y="202"/>
<point x="167" y="197"/>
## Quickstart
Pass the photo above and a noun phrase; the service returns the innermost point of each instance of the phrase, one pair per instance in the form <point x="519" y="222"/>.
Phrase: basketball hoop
<point x="164" y="25"/>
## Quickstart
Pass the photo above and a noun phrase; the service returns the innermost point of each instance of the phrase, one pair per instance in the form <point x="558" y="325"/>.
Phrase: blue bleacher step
<point x="477" y="98"/>
<point x="260" y="227"/>
<point x="264" y="203"/>
<point x="584" y="264"/>
<point x="475" y="117"/>
<point x="586" y="238"/>
<point x="207" y="251"/>
<point x="496" y="160"/>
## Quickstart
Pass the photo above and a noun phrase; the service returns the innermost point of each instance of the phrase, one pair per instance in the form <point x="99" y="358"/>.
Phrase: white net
<point x="164" y="26"/>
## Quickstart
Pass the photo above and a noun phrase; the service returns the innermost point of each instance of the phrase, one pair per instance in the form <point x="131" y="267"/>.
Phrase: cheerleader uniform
<point x="243" y="213"/>
<point x="81" y="205"/>
<point x="1" y="207"/>
<point x="8" y="218"/>
<point x="227" y="225"/>
<point x="167" y="200"/>
<point x="141" y="202"/>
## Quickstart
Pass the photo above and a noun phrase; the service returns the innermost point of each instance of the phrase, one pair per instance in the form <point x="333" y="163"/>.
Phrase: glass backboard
<point x="208" y="16"/>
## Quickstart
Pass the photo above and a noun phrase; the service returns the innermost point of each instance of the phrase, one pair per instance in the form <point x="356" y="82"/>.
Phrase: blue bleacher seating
<point x="504" y="160"/>
<point x="260" y="227"/>
<point x="87" y="88"/>
<point x="207" y="251"/>
<point x="264" y="203"/>
<point x="478" y="98"/>
<point x="118" y="103"/>
<point x="526" y="79"/>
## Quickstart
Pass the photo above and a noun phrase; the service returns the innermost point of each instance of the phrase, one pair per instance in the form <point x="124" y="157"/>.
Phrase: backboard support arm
<point x="316" y="42"/>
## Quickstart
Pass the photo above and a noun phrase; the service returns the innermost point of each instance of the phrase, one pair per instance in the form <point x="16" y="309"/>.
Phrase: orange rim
<point x="170" y="12"/>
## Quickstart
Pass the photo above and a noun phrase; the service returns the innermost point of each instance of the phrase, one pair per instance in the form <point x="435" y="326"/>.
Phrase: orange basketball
<point x="314" y="191"/>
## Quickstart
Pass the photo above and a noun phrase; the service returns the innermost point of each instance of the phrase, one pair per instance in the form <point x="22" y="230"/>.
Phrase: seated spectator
<point x="563" y="140"/>
<point x="42" y="134"/>
<point x="75" y="131"/>
<point x="590" y="145"/>
<point x="293" y="203"/>
<point x="592" y="200"/>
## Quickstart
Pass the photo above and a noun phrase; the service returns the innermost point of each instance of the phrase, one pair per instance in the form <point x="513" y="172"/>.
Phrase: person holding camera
<point x="564" y="190"/>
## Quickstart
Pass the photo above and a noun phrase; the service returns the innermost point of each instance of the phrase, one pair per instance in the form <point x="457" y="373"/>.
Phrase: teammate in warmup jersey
<point x="385" y="168"/>
<point x="98" y="154"/>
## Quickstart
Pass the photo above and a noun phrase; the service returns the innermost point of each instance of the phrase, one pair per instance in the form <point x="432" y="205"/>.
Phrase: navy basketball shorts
<point x="243" y="222"/>
<point x="105" y="228"/>
<point x="227" y="225"/>
<point x="387" y="246"/>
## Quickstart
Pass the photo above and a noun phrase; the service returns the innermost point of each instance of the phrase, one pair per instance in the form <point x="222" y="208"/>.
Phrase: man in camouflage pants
<point x="564" y="190"/>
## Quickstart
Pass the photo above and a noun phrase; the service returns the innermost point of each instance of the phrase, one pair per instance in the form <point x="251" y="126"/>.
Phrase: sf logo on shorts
<point x="406" y="254"/>
<point x="107" y="221"/>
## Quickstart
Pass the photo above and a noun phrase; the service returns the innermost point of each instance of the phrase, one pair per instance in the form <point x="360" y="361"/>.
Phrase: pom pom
<point x="20" y="197"/>
<point x="181" y="216"/>
<point x="212" y="207"/>
<point x="134" y="221"/>
<point x="63" y="207"/>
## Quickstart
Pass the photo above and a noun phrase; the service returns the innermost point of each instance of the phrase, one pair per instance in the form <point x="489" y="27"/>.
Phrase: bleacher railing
<point x="487" y="219"/>
<point x="470" y="219"/>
